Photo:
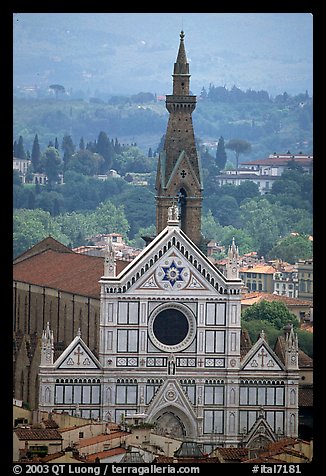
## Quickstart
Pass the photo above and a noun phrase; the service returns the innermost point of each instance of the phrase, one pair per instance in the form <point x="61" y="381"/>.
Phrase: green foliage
<point x="239" y="146"/>
<point x="305" y="341"/>
<point x="51" y="163"/>
<point x="32" y="226"/>
<point x="274" y="312"/>
<point x="292" y="248"/>
<point x="255" y="327"/>
<point x="260" y="220"/>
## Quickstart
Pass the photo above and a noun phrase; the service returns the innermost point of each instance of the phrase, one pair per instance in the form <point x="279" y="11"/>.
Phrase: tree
<point x="32" y="226"/>
<point x="105" y="149"/>
<point x="52" y="162"/>
<point x="21" y="154"/>
<point x="292" y="248"/>
<point x="239" y="146"/>
<point x="260" y="220"/>
<point x="85" y="162"/>
<point x="221" y="154"/>
<point x="68" y="149"/>
<point x="108" y="218"/>
<point x="81" y="144"/>
<point x="36" y="155"/>
<point x="57" y="89"/>
<point x="274" y="312"/>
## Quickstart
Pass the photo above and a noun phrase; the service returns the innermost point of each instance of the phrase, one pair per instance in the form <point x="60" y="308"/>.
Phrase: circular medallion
<point x="172" y="327"/>
<point x="172" y="274"/>
<point x="170" y="395"/>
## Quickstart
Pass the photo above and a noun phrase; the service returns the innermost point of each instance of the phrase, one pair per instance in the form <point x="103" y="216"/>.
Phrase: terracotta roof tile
<point x="70" y="272"/>
<point x="37" y="434"/>
<point x="233" y="454"/>
<point x="50" y="424"/>
<point x="250" y="298"/>
<point x="105" y="454"/>
<point x="100" y="438"/>
<point x="306" y="396"/>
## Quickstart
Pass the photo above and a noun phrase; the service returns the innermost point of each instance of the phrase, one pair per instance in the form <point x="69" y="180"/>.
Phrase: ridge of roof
<point x="48" y="243"/>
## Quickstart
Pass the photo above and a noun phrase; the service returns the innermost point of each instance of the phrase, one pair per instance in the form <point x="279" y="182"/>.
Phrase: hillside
<point x="269" y="124"/>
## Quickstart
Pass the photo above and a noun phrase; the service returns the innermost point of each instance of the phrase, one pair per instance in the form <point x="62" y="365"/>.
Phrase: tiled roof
<point x="48" y="243"/>
<point x="100" y="438"/>
<point x="105" y="454"/>
<point x="259" y="268"/>
<point x="70" y="272"/>
<point x="233" y="454"/>
<point x="274" y="451"/>
<point x="251" y="298"/>
<point x="304" y="360"/>
<point x="306" y="395"/>
<point x="245" y="342"/>
<point x="37" y="434"/>
<point x="50" y="424"/>
<point x="172" y="459"/>
<point x="283" y="160"/>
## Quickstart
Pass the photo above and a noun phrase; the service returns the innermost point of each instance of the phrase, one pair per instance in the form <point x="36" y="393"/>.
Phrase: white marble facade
<point x="169" y="353"/>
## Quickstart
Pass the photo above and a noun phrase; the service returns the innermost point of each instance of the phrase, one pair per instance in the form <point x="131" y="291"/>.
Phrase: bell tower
<point x="179" y="177"/>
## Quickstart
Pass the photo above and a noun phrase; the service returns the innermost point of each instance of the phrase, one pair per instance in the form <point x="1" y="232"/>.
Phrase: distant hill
<point x="120" y="53"/>
<point x="270" y="124"/>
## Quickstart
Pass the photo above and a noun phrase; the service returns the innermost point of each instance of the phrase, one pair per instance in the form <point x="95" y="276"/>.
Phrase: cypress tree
<point x="36" y="154"/>
<point x="21" y="154"/>
<point x="68" y="149"/>
<point x="221" y="154"/>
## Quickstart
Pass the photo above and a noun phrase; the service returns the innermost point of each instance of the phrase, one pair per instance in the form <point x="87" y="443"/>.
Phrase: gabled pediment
<point x="262" y="358"/>
<point x="77" y="356"/>
<point x="171" y="263"/>
<point x="259" y="434"/>
<point x="170" y="394"/>
<point x="184" y="172"/>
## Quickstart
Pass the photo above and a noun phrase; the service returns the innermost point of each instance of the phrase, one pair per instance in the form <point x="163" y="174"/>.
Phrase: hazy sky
<point x="132" y="52"/>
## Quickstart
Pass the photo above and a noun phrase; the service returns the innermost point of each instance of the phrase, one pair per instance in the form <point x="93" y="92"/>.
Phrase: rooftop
<point x="37" y="434"/>
<point x="257" y="296"/>
<point x="62" y="269"/>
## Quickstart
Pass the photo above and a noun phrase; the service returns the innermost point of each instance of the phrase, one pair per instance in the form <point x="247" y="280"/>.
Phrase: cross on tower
<point x="183" y="173"/>
<point x="78" y="353"/>
<point x="262" y="354"/>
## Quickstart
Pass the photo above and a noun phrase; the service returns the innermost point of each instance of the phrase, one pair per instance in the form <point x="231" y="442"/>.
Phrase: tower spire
<point x="179" y="170"/>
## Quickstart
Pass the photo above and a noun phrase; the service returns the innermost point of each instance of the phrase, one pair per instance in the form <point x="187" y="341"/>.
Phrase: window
<point x="215" y="314"/>
<point x="81" y="434"/>
<point x="126" y="394"/>
<point x="127" y="340"/>
<point x="213" y="421"/>
<point x="191" y="392"/>
<point x="214" y="342"/>
<point x="214" y="395"/>
<point x="77" y="394"/>
<point x="128" y="313"/>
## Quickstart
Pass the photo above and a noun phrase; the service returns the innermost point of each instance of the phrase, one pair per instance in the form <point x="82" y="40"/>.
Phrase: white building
<point x="264" y="172"/>
<point x="170" y="335"/>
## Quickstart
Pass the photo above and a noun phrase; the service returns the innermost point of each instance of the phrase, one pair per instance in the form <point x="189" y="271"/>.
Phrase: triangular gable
<point x="183" y="163"/>
<point x="261" y="357"/>
<point x="143" y="274"/>
<point x="170" y="394"/>
<point x="260" y="428"/>
<point x="77" y="356"/>
<point x="172" y="273"/>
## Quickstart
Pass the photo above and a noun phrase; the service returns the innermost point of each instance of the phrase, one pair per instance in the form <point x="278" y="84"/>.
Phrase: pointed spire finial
<point x="79" y="332"/>
<point x="182" y="35"/>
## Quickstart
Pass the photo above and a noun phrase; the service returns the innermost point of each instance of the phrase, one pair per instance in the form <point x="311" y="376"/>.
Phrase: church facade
<point x="170" y="349"/>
